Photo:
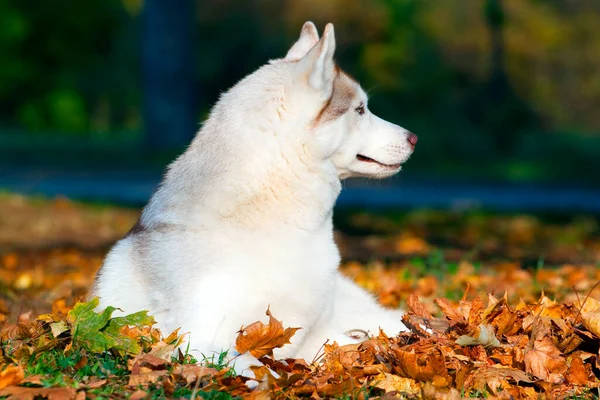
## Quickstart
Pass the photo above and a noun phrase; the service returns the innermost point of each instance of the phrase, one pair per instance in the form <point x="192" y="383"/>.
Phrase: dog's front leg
<point x="354" y="310"/>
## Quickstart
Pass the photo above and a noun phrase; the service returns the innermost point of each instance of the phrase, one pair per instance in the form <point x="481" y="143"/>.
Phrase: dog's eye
<point x="360" y="109"/>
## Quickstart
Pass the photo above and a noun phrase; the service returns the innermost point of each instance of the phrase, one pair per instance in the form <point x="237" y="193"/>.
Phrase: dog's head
<point x="342" y="127"/>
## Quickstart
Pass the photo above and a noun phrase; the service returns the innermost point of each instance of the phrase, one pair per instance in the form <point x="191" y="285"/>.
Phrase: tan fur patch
<point x="136" y="229"/>
<point x="342" y="97"/>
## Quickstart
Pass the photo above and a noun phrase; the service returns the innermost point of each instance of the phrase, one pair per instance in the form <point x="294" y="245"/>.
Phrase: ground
<point x="499" y="305"/>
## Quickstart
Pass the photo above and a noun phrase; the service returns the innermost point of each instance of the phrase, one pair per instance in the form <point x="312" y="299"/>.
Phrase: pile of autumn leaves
<point x="478" y="348"/>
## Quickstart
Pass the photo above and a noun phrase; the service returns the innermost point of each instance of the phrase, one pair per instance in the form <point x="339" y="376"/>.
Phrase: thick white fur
<point x="243" y="219"/>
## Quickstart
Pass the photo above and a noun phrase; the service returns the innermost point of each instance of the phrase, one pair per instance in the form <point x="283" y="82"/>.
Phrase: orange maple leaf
<point x="260" y="339"/>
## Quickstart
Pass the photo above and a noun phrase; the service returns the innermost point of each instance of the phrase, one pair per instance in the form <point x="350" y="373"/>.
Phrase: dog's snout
<point x="412" y="139"/>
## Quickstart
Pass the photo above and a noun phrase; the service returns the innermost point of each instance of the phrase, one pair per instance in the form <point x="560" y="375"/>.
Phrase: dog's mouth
<point x="366" y="159"/>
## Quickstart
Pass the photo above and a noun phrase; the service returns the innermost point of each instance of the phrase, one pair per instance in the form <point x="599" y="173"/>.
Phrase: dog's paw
<point x="242" y="365"/>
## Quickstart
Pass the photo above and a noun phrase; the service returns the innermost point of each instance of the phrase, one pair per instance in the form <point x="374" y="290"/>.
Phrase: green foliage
<point x="215" y="395"/>
<point x="56" y="364"/>
<point x="98" y="332"/>
<point x="55" y="61"/>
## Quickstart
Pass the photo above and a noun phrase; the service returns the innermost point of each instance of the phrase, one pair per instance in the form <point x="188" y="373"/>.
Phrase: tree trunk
<point x="168" y="68"/>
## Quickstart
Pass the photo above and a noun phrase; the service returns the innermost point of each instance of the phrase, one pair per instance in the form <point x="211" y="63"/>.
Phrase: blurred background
<point x="96" y="97"/>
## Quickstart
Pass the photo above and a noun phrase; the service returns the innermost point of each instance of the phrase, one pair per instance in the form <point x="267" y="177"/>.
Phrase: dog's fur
<point x="243" y="219"/>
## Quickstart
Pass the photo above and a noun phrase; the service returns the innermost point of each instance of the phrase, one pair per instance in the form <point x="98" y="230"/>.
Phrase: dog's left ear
<point x="318" y="64"/>
<point x="309" y="36"/>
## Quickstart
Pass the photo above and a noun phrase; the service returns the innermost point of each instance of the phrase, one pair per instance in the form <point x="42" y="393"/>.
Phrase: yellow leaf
<point x="394" y="383"/>
<point x="11" y="375"/>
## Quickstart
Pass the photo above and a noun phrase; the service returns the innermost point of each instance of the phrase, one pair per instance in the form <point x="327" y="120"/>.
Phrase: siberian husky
<point x="242" y="220"/>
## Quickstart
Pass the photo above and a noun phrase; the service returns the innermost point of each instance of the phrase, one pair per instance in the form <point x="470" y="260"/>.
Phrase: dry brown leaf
<point x="146" y="378"/>
<point x="395" y="383"/>
<point x="138" y="395"/>
<point x="578" y="372"/>
<point x="147" y="362"/>
<point x="550" y="309"/>
<point x="417" y="307"/>
<point x="485" y="337"/>
<point x="590" y="304"/>
<point x="25" y="393"/>
<point x="496" y="378"/>
<point x="96" y="383"/>
<point x="506" y="321"/>
<point x="260" y="339"/>
<point x="162" y="350"/>
<point x="191" y="372"/>
<point x="420" y="363"/>
<point x="449" y="311"/>
<point x="11" y="375"/>
<point x="591" y="320"/>
<point x="430" y="391"/>
<point x="474" y="310"/>
<point x="542" y="359"/>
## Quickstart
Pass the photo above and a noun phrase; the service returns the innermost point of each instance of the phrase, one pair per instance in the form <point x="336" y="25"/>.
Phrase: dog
<point x="242" y="220"/>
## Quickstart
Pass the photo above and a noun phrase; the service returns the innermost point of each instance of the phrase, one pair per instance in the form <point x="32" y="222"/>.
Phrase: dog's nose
<point x="412" y="139"/>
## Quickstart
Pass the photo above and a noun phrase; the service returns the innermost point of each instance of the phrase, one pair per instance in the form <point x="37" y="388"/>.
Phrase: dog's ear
<point x="308" y="38"/>
<point x="318" y="64"/>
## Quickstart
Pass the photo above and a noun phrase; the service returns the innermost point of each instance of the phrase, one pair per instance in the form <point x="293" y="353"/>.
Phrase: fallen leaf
<point x="450" y="312"/>
<point x="149" y="361"/>
<point x="163" y="350"/>
<point x="146" y="378"/>
<point x="542" y="358"/>
<point x="97" y="383"/>
<point x="260" y="339"/>
<point x="58" y="328"/>
<point x="394" y="383"/>
<point x="138" y="395"/>
<point x="191" y="373"/>
<point x="486" y="337"/>
<point x="578" y="372"/>
<point x="591" y="320"/>
<point x="98" y="332"/>
<point x="496" y="378"/>
<point x="420" y="363"/>
<point x="25" y="393"/>
<point x="11" y="375"/>
<point x="417" y="307"/>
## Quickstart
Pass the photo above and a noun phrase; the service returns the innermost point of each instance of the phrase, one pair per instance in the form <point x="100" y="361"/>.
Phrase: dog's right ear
<point x="309" y="36"/>
<point x="318" y="65"/>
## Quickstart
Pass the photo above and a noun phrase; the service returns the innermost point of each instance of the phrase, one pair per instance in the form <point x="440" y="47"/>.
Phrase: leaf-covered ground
<point x="498" y="306"/>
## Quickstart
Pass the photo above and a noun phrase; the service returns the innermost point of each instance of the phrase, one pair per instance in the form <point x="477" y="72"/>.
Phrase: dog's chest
<point x="279" y="264"/>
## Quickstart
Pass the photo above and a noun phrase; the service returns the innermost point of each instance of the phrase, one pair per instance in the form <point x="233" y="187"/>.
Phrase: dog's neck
<point x="284" y="191"/>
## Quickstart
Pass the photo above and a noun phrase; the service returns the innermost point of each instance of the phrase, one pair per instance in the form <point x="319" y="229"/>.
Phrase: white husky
<point x="243" y="219"/>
